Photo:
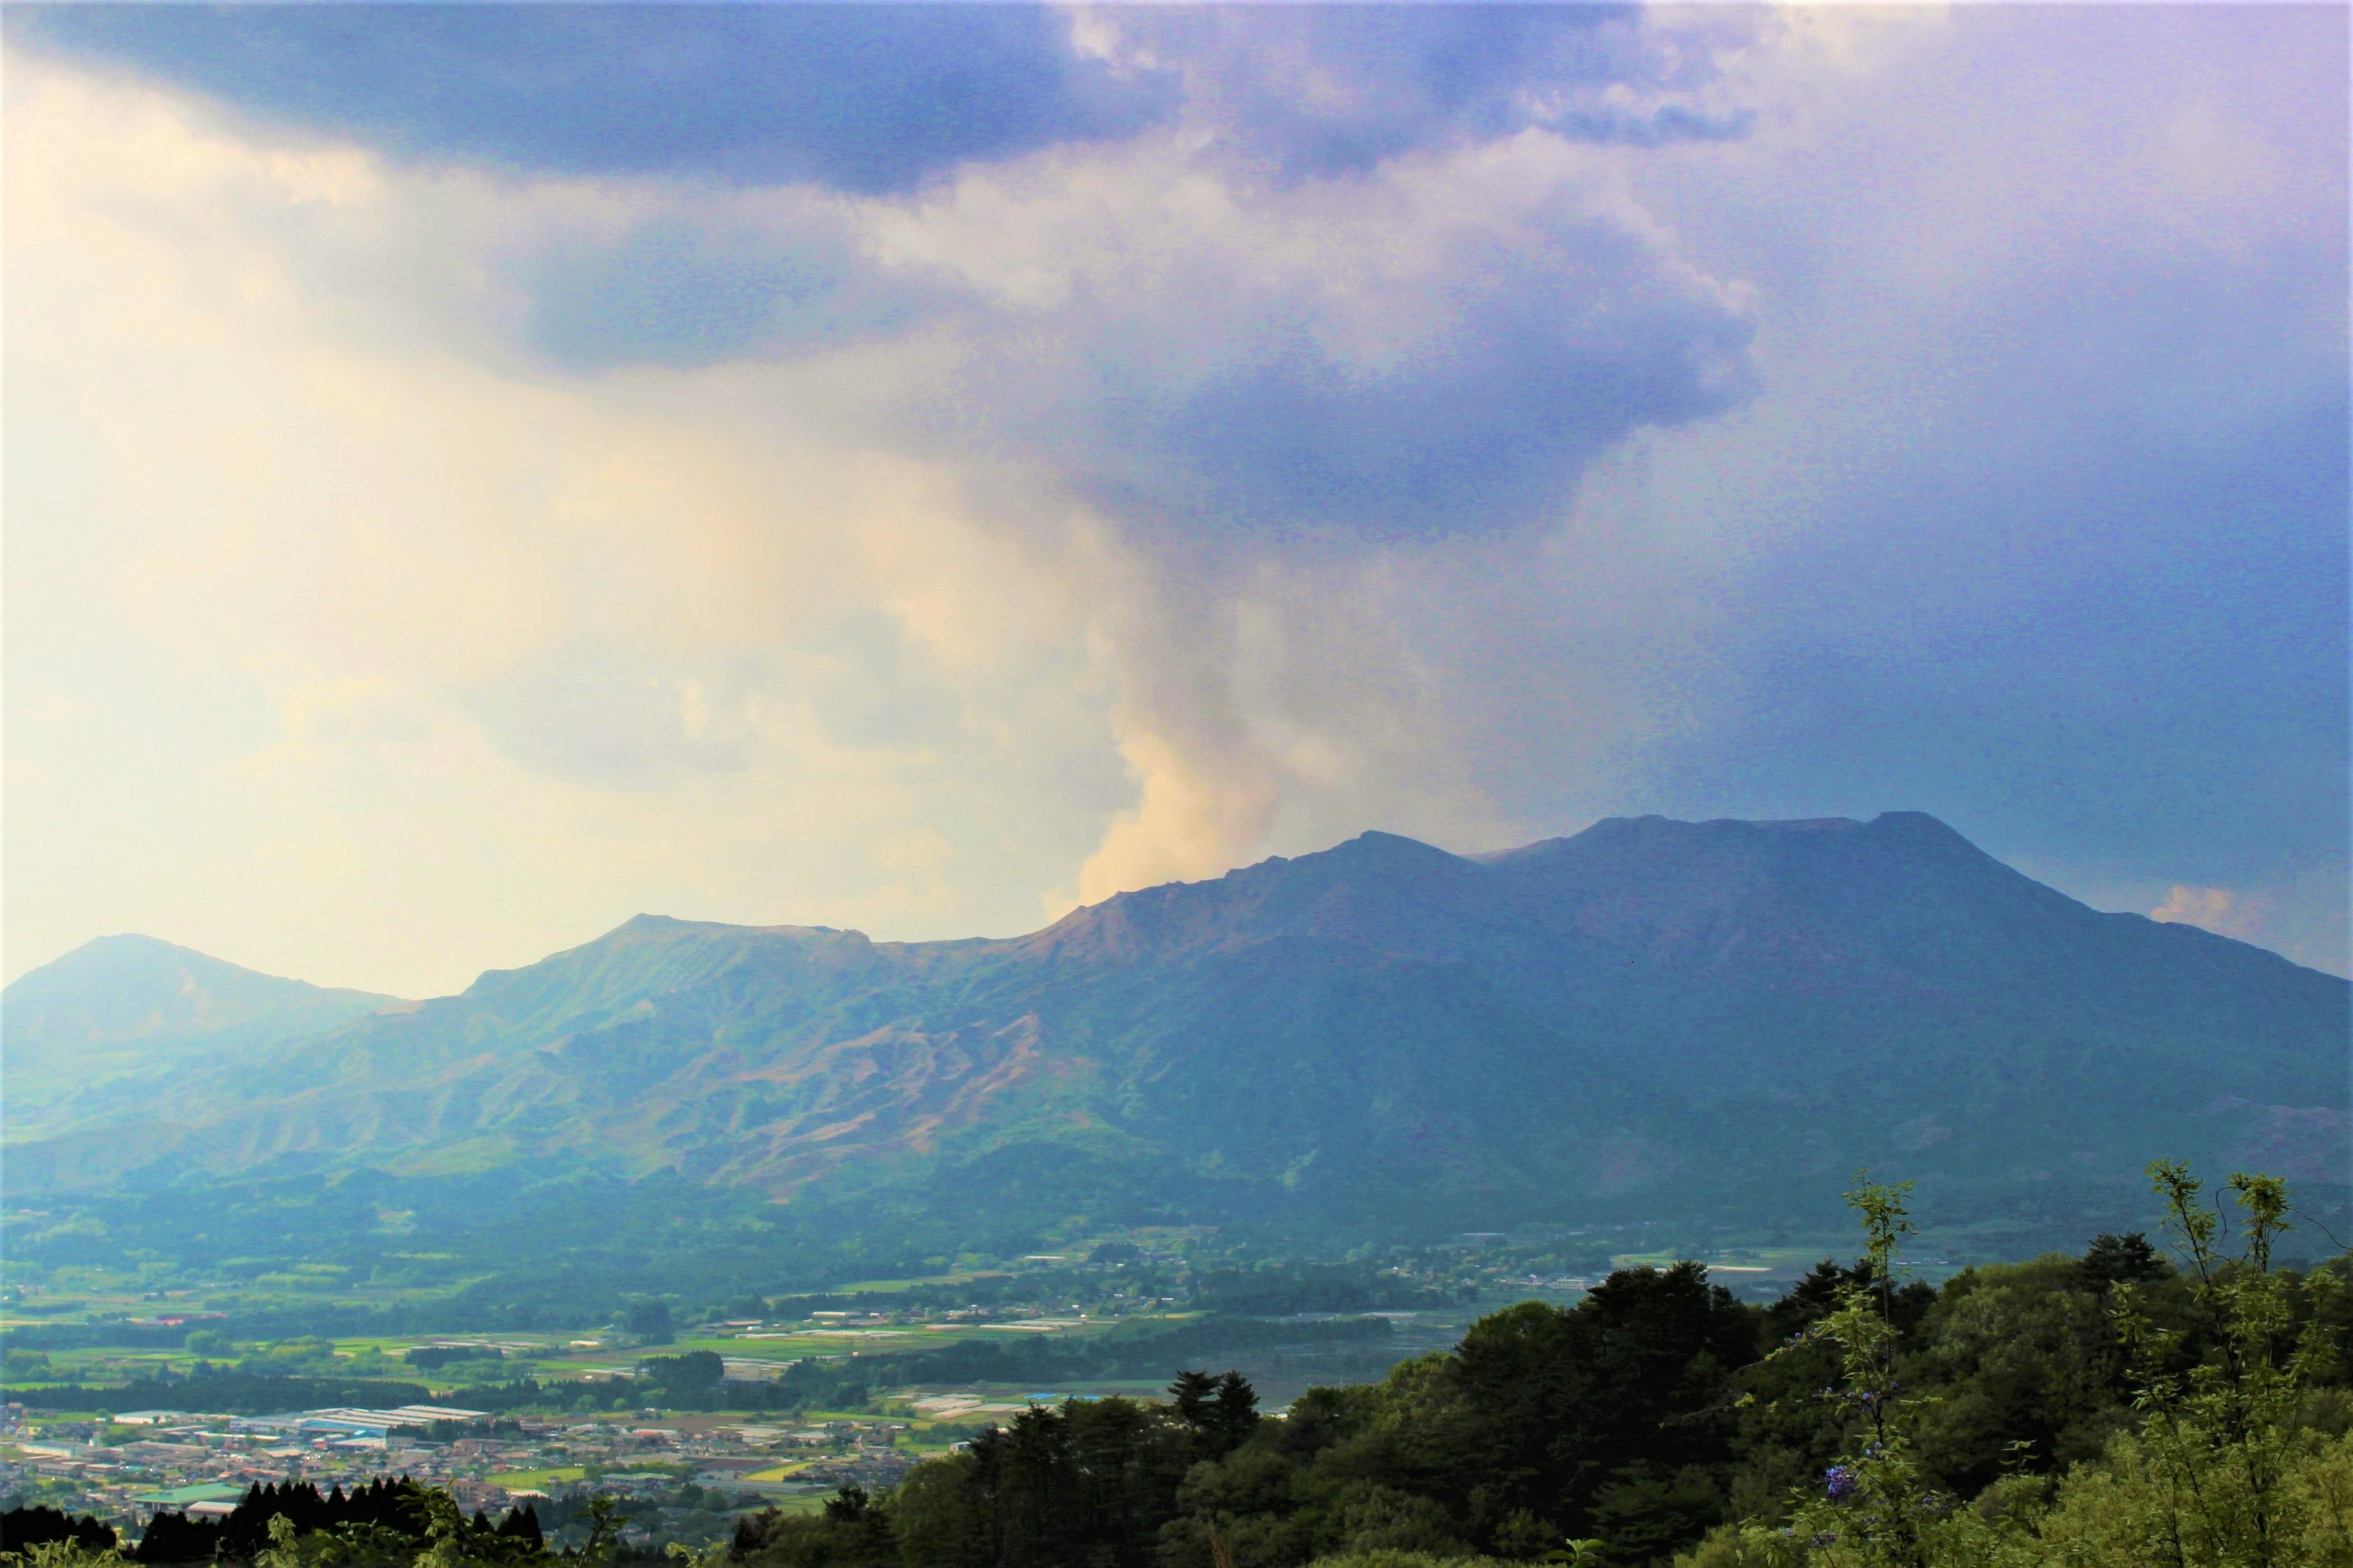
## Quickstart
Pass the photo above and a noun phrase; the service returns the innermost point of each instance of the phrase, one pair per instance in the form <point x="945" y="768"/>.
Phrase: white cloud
<point x="2218" y="909"/>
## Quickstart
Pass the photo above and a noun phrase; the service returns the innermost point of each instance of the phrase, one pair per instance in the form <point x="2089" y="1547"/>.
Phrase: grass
<point x="546" y="1356"/>
<point x="779" y="1472"/>
<point x="549" y="1358"/>
<point x="891" y="1287"/>
<point x="537" y="1480"/>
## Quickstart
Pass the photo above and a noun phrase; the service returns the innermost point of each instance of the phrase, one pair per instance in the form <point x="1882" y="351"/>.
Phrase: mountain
<point x="118" y="1012"/>
<point x="1651" y="1017"/>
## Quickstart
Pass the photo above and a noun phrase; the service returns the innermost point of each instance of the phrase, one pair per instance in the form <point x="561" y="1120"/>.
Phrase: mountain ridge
<point x="1671" y="1011"/>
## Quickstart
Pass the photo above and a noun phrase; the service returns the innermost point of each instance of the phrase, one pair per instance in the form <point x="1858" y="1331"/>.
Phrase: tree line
<point x="386" y="1521"/>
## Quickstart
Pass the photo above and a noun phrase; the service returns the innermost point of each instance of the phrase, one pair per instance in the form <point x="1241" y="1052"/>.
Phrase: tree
<point x="1221" y="1409"/>
<point x="22" y="1528"/>
<point x="34" y="1364"/>
<point x="2223" y="1437"/>
<point x="694" y="1374"/>
<point x="2126" y="1259"/>
<point x="650" y="1321"/>
<point x="851" y="1531"/>
<point x="1872" y="1507"/>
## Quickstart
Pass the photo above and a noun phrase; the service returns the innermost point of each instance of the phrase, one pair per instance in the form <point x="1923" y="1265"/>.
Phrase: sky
<point x="476" y="474"/>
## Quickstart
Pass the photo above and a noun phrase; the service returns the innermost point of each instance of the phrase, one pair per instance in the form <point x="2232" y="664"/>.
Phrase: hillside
<point x="117" y="1013"/>
<point x="1650" y="1018"/>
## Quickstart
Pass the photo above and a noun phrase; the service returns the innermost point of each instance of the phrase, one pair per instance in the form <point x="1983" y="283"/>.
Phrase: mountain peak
<point x="131" y="959"/>
<point x="133" y="941"/>
<point x="127" y="1003"/>
<point x="1384" y="849"/>
<point x="672" y="925"/>
<point x="132" y="948"/>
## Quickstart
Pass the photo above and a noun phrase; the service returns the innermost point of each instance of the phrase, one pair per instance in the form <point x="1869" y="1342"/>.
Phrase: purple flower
<point x="1837" y="1483"/>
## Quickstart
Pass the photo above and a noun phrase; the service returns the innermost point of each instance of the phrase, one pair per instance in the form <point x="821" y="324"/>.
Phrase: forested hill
<point x="1650" y="1018"/>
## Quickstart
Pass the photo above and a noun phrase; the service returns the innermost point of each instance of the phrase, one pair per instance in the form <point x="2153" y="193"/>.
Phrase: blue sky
<point x="479" y="473"/>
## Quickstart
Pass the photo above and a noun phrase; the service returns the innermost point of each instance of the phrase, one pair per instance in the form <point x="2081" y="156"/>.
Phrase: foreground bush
<point x="2230" y="1462"/>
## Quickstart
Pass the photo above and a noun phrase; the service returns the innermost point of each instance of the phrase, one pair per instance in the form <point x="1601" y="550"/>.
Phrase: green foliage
<point x="2217" y="1461"/>
<point x="236" y="1393"/>
<point x="386" y="1524"/>
<point x="852" y="1533"/>
<point x="1609" y="1422"/>
<point x="1095" y="1481"/>
<point x="2223" y="1437"/>
<point x="33" y="1365"/>
<point x="24" y="1529"/>
<point x="1875" y="1507"/>
<point x="2132" y="1508"/>
<point x="2030" y="1369"/>
<point x="1383" y="1558"/>
<point x="689" y="1375"/>
<point x="650" y="1321"/>
<point x="66" y="1554"/>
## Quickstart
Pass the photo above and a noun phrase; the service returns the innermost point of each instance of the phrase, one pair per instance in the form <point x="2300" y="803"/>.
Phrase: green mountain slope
<point x="1651" y="1017"/>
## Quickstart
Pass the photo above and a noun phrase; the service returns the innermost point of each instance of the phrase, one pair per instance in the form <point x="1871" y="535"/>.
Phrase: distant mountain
<point x="1652" y="1017"/>
<point x="132" y="1008"/>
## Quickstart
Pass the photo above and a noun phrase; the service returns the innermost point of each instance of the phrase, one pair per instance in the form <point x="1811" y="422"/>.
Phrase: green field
<point x="537" y="1480"/>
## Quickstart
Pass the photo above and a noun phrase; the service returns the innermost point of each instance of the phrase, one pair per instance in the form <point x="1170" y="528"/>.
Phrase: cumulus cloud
<point x="1437" y="348"/>
<point x="1320" y="90"/>
<point x="1295" y="420"/>
<point x="1211" y="364"/>
<point x="1250" y="382"/>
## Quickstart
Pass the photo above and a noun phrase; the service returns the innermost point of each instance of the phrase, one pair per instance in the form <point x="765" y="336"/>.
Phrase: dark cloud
<point x="1462" y="393"/>
<point x="879" y="98"/>
<point x="2117" y="640"/>
<point x="1488" y="431"/>
<point x="862" y="97"/>
<point x="1224" y="404"/>
<point x="2071" y="565"/>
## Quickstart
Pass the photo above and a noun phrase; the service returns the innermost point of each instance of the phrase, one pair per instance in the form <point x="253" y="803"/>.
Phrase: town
<point x="128" y="1467"/>
<point x="689" y="1423"/>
